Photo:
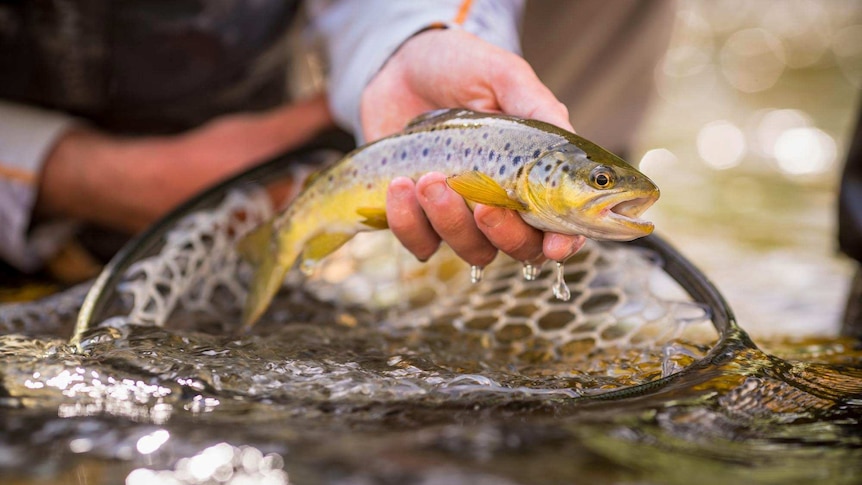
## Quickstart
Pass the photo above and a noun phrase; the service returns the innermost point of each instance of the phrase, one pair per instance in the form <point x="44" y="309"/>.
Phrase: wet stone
<point x="525" y="310"/>
<point x="511" y="333"/>
<point x="481" y="323"/>
<point x="555" y="320"/>
<point x="530" y="293"/>
<point x="492" y="304"/>
<point x="600" y="303"/>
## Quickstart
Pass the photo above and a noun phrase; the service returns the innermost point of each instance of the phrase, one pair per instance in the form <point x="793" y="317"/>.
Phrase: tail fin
<point x="262" y="249"/>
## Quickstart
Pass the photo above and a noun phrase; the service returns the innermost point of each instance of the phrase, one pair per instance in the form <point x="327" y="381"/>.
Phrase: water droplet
<point x="307" y="266"/>
<point x="561" y="289"/>
<point x="531" y="272"/>
<point x="475" y="274"/>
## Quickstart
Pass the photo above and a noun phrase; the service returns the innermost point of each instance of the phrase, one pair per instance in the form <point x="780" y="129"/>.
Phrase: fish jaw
<point x="622" y="212"/>
<point x="611" y="217"/>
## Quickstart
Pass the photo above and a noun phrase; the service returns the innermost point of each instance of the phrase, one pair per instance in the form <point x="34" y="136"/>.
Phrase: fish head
<point x="584" y="189"/>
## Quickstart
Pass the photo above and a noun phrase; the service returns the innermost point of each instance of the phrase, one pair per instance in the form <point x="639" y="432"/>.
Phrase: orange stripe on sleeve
<point x="17" y="175"/>
<point x="463" y="10"/>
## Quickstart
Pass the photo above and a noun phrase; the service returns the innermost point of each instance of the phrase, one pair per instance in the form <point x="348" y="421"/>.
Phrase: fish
<point x="556" y="180"/>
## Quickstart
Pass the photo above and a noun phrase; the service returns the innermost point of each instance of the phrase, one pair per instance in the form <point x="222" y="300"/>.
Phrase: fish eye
<point x="602" y="177"/>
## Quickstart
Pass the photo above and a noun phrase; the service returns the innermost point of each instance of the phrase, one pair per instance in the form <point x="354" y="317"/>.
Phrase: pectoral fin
<point x="477" y="187"/>
<point x="323" y="244"/>
<point x="375" y="217"/>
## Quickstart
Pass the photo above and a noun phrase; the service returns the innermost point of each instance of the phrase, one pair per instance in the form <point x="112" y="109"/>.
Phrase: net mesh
<point x="196" y="270"/>
<point x="620" y="296"/>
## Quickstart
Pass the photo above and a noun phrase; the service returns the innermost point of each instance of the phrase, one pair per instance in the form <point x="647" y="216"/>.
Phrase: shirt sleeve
<point x="27" y="136"/>
<point x="358" y="38"/>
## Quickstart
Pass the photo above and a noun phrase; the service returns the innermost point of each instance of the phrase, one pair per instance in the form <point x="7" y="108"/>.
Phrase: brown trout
<point x="557" y="181"/>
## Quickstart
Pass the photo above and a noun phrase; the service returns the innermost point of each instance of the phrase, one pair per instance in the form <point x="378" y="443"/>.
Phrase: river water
<point x="498" y="382"/>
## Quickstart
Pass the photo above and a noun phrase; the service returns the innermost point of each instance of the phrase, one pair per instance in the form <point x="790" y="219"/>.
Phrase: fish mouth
<point x="628" y="212"/>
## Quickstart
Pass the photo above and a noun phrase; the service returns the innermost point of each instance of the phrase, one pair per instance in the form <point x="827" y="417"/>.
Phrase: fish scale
<point x="426" y="153"/>
<point x="550" y="176"/>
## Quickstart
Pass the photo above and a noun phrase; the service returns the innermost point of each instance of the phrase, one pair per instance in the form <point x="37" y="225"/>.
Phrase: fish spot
<point x="476" y="168"/>
<point x="491" y="155"/>
<point x="485" y="136"/>
<point x="383" y="162"/>
<point x="566" y="168"/>
<point x="425" y="152"/>
<point x="516" y="160"/>
<point x="502" y="169"/>
<point x="479" y="151"/>
<point x="467" y="152"/>
<point x="403" y="154"/>
<point x="554" y="183"/>
<point x="369" y="186"/>
<point x="508" y="146"/>
<point x="448" y="141"/>
<point x="448" y="157"/>
<point x="537" y="153"/>
<point x="437" y="139"/>
<point x="547" y="179"/>
<point x="548" y="167"/>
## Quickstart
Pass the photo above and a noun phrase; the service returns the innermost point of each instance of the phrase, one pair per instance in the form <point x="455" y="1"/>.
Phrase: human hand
<point x="128" y="183"/>
<point x="452" y="68"/>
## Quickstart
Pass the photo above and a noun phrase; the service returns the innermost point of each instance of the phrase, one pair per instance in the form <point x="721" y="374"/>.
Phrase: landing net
<point x="638" y="311"/>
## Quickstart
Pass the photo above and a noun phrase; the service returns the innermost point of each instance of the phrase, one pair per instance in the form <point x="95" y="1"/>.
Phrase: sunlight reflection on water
<point x="746" y="140"/>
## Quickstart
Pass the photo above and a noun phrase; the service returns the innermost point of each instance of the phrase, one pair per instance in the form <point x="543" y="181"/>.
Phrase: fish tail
<point x="263" y="249"/>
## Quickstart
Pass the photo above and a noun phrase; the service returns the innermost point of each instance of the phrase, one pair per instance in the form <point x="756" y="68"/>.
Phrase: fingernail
<point x="434" y="191"/>
<point x="565" y="244"/>
<point x="492" y="217"/>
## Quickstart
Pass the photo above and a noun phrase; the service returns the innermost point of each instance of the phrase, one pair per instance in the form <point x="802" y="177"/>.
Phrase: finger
<point x="453" y="221"/>
<point x="560" y="247"/>
<point x="509" y="233"/>
<point x="407" y="221"/>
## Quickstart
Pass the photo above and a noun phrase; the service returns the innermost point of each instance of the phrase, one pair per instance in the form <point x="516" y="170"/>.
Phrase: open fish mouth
<point x="630" y="210"/>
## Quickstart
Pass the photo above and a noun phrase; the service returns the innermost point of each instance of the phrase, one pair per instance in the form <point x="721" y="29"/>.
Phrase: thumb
<point x="520" y="92"/>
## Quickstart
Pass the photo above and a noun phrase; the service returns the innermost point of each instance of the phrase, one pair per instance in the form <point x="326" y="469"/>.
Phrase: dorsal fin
<point x="432" y="117"/>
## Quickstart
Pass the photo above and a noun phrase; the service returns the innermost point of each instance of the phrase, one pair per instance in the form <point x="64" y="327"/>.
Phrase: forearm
<point x="88" y="177"/>
<point x="127" y="183"/>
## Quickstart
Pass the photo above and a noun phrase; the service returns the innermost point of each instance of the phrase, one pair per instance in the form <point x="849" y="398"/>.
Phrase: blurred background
<point x="747" y="137"/>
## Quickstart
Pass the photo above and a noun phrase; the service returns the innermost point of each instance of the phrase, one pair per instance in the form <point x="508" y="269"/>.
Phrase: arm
<point x="127" y="183"/>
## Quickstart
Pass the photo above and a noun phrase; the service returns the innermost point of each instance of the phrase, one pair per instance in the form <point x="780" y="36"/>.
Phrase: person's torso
<point x="144" y="65"/>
